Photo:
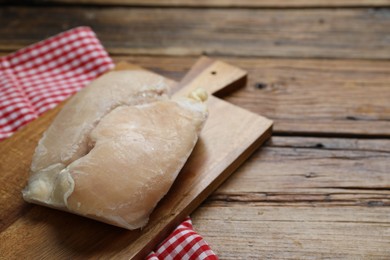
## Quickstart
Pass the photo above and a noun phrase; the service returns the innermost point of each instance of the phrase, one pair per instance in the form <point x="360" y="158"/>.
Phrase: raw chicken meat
<point x="129" y="157"/>
<point x="66" y="139"/>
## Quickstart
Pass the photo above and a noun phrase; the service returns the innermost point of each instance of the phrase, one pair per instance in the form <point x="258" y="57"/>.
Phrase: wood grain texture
<point x="308" y="33"/>
<point x="304" y="96"/>
<point x="313" y="171"/>
<point x="227" y="3"/>
<point x="61" y="235"/>
<point x="246" y="232"/>
<point x="303" y="198"/>
<point x="298" y="197"/>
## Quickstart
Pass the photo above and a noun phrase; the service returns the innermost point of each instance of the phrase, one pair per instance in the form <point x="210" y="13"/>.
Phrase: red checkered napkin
<point x="36" y="78"/>
<point x="183" y="243"/>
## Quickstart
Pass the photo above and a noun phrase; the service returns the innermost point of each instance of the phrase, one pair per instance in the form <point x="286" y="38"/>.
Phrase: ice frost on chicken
<point x="118" y="155"/>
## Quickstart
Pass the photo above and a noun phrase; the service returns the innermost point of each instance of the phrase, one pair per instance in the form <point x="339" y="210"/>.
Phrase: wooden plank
<point x="230" y="3"/>
<point x="302" y="96"/>
<point x="58" y="235"/>
<point x="312" y="171"/>
<point x="305" y="96"/>
<point x="247" y="232"/>
<point x="303" y="198"/>
<point x="325" y="33"/>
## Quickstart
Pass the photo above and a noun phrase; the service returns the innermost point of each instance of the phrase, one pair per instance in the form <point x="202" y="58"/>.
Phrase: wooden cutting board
<point x="29" y="231"/>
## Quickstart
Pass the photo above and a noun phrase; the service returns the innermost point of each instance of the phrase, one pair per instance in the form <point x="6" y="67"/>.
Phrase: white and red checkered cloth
<point x="183" y="243"/>
<point x="38" y="77"/>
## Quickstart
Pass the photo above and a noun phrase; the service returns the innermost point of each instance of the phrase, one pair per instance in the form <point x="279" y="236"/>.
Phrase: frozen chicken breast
<point x="132" y="156"/>
<point x="67" y="138"/>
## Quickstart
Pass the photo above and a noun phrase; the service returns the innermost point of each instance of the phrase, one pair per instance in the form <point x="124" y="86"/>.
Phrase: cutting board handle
<point x="216" y="77"/>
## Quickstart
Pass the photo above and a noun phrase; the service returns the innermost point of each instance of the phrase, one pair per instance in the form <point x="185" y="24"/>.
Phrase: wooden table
<point x="320" y="189"/>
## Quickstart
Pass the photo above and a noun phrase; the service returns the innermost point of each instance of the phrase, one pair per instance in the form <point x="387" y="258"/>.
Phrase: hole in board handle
<point x="213" y="72"/>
